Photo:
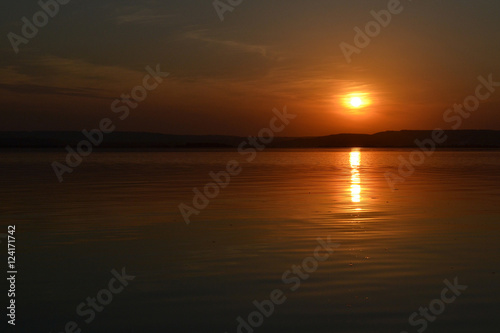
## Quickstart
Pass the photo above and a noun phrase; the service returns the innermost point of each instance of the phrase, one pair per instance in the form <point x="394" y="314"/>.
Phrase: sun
<point x="356" y="102"/>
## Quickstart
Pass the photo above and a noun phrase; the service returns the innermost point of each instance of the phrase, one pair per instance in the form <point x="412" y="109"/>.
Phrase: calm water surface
<point x="121" y="210"/>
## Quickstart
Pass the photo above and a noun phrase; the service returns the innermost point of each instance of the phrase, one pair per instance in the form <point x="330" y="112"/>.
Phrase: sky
<point x="226" y="77"/>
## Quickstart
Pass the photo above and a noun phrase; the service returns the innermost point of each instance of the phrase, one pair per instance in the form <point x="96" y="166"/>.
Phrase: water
<point x="121" y="210"/>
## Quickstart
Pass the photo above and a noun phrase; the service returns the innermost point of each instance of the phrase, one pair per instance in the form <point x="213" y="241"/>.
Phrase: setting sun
<point x="356" y="102"/>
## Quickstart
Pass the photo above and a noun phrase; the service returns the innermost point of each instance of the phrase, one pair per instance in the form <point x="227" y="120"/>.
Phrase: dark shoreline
<point x="142" y="141"/>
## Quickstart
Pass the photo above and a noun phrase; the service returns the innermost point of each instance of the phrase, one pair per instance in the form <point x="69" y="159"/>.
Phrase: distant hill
<point x="141" y="140"/>
<point x="399" y="139"/>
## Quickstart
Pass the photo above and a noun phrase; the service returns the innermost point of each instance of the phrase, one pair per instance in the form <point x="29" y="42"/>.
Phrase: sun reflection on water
<point x="355" y="160"/>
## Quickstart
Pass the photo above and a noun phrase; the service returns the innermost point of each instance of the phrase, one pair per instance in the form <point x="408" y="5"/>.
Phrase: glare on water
<point x="355" y="159"/>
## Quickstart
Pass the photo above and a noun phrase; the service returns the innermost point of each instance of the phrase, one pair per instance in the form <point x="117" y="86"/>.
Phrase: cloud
<point x="236" y="46"/>
<point x="136" y="15"/>
<point x="9" y="74"/>
<point x="63" y="76"/>
<point x="26" y="88"/>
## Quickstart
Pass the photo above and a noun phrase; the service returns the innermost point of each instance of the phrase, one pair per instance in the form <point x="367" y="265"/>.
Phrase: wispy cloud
<point x="51" y="75"/>
<point x="26" y="88"/>
<point x="237" y="46"/>
<point x="136" y="15"/>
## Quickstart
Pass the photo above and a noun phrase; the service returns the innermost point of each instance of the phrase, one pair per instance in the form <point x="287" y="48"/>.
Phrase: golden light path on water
<point x="355" y="160"/>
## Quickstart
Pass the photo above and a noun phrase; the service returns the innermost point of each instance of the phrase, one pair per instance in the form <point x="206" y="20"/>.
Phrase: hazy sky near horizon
<point x="227" y="76"/>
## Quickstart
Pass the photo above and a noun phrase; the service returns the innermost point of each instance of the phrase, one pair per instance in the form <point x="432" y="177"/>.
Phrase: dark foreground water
<point x="120" y="210"/>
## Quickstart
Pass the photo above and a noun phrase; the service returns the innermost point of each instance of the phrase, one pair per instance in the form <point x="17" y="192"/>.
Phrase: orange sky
<point x="226" y="77"/>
